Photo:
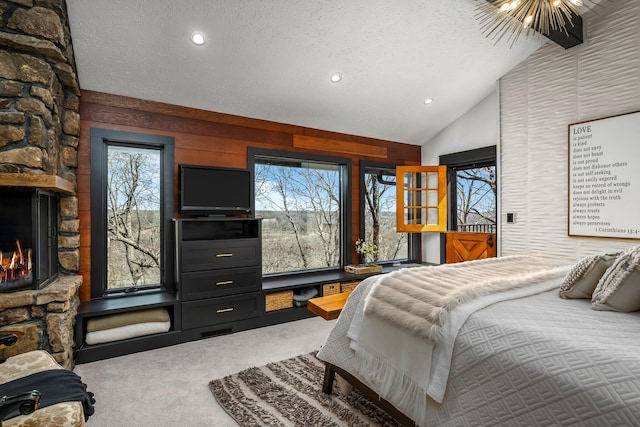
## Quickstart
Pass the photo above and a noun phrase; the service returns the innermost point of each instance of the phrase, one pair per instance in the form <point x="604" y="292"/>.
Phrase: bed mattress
<point x="534" y="360"/>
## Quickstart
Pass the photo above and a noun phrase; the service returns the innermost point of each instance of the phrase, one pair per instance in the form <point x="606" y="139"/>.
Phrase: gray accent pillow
<point x="582" y="279"/>
<point x="619" y="288"/>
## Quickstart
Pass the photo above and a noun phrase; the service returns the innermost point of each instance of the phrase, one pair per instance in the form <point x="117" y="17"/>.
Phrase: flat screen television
<point x="206" y="190"/>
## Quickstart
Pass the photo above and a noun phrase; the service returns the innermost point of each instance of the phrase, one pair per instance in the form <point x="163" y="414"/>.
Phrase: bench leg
<point x="329" y="376"/>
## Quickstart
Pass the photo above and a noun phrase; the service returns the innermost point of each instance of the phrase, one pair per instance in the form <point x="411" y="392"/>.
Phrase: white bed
<point x="523" y="357"/>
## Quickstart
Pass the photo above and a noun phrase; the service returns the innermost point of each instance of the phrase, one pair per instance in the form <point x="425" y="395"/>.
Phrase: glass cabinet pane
<point x="433" y="180"/>
<point x="432" y="216"/>
<point x="433" y="198"/>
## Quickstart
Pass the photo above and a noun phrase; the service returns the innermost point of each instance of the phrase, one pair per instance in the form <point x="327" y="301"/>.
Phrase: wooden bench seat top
<point x="328" y="307"/>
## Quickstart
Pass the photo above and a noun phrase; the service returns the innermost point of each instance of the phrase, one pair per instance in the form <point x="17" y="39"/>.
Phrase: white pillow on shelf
<point x="128" y="331"/>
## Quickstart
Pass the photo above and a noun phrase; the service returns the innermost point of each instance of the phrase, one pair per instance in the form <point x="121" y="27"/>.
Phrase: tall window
<point x="302" y="199"/>
<point x="476" y="193"/>
<point x="473" y="189"/>
<point x="379" y="211"/>
<point x="132" y="204"/>
<point x="133" y="217"/>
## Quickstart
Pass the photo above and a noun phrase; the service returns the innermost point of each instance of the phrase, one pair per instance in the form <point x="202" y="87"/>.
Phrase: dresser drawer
<point x="213" y="254"/>
<point x="213" y="311"/>
<point x="216" y="283"/>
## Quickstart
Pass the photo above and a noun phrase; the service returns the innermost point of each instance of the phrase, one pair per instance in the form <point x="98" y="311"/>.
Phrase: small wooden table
<point x="328" y="307"/>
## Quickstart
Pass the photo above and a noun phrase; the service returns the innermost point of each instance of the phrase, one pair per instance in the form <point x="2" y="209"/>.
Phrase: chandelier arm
<point x="551" y="18"/>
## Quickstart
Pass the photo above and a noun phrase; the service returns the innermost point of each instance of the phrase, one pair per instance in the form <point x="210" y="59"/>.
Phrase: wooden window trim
<point x="441" y="224"/>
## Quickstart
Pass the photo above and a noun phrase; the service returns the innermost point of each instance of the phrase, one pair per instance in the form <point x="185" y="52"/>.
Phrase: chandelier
<point x="513" y="17"/>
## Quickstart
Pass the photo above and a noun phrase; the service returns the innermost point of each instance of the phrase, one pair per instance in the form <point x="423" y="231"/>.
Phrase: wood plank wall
<point x="214" y="139"/>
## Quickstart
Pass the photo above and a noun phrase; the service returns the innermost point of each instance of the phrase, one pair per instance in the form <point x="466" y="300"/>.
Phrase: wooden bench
<point x="328" y="307"/>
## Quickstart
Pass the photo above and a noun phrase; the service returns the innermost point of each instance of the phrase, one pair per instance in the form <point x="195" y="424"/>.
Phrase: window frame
<point x="101" y="139"/>
<point x="475" y="157"/>
<point x="345" y="165"/>
<point x="413" y="239"/>
<point x="441" y="224"/>
<point x="479" y="157"/>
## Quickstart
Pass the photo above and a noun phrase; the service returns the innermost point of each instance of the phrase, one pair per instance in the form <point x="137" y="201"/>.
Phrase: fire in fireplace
<point x="16" y="268"/>
<point x="28" y="238"/>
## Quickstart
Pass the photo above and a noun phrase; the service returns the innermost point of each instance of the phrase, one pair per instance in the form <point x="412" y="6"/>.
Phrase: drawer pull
<point x="224" y="255"/>
<point x="225" y="282"/>
<point x="224" y="310"/>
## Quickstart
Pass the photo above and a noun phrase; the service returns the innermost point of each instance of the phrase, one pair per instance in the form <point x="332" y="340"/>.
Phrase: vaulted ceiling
<point x="273" y="59"/>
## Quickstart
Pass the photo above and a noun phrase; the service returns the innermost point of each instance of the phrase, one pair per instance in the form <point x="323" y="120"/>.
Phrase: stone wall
<point x="39" y="129"/>
<point x="42" y="319"/>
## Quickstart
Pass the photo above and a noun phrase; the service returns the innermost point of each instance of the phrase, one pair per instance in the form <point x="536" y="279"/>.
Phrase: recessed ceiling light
<point x="428" y="101"/>
<point x="198" y="38"/>
<point x="336" y="77"/>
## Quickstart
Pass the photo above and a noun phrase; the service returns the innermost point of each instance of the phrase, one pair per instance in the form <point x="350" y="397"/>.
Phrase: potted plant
<point x="366" y="250"/>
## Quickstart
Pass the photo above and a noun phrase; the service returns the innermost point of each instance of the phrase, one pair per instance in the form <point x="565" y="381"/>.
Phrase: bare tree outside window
<point x="476" y="199"/>
<point x="380" y="216"/>
<point x="133" y="217"/>
<point x="300" y="204"/>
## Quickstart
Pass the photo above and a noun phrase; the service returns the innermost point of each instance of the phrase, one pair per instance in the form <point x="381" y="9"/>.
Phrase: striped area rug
<point x="289" y="393"/>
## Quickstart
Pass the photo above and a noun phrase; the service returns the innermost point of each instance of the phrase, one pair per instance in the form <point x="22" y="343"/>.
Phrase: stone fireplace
<point x="28" y="238"/>
<point x="39" y="129"/>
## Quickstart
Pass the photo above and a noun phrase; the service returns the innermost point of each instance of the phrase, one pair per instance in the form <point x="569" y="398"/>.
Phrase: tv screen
<point x="208" y="190"/>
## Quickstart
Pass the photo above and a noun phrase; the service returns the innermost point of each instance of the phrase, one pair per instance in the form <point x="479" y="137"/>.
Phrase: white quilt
<point x="535" y="360"/>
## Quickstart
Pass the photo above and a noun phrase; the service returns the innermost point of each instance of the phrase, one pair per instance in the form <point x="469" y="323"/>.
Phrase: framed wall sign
<point x="604" y="177"/>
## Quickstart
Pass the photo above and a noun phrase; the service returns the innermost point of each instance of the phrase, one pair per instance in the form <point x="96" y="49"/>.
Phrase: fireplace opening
<point x="28" y="238"/>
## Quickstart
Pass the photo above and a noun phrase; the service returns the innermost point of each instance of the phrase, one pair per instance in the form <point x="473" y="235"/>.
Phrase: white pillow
<point x="619" y="288"/>
<point x="582" y="279"/>
<point x="127" y="331"/>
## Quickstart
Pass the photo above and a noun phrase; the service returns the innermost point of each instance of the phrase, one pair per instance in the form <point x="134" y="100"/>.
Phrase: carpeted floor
<point x="169" y="387"/>
<point x="289" y="393"/>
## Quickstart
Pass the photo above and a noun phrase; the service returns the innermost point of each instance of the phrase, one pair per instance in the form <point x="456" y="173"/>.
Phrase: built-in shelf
<point x="199" y="310"/>
<point x="47" y="182"/>
<point x="274" y="283"/>
<point x="108" y="306"/>
<point x="116" y="305"/>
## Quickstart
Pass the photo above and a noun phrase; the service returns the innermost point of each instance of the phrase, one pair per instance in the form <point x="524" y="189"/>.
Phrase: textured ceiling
<point x="272" y="59"/>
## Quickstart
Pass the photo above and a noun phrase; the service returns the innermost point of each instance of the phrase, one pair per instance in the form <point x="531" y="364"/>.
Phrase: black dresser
<point x="219" y="272"/>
